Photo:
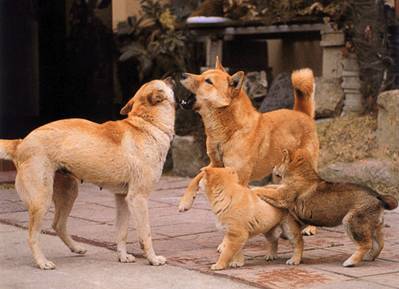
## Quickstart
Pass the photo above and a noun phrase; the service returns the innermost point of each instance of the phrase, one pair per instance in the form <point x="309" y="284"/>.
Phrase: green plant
<point x="152" y="41"/>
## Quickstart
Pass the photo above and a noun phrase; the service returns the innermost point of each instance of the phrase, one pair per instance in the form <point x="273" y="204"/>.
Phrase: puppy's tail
<point x="389" y="202"/>
<point x="8" y="148"/>
<point x="304" y="87"/>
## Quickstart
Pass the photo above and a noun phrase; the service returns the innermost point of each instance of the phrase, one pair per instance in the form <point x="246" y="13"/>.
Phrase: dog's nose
<point x="169" y="82"/>
<point x="184" y="76"/>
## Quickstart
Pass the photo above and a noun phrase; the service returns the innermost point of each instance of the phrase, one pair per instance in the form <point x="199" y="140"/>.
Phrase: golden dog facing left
<point x="125" y="156"/>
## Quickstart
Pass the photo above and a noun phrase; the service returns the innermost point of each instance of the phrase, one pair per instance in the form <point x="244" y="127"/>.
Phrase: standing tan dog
<point x="240" y="137"/>
<point x="243" y="215"/>
<point x="124" y="156"/>
<point x="317" y="202"/>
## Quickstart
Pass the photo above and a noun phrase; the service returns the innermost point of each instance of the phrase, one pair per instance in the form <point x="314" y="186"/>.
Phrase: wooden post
<point x="214" y="47"/>
<point x="397" y="9"/>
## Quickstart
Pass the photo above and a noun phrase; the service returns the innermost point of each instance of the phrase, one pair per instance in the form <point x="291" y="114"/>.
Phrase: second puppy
<point x="316" y="202"/>
<point x="244" y="215"/>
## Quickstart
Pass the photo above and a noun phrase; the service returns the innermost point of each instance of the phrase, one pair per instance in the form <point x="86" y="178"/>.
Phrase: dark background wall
<point x="19" y="86"/>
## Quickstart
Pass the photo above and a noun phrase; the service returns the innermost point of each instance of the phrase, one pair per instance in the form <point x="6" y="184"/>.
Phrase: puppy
<point x="317" y="202"/>
<point x="123" y="156"/>
<point x="244" y="215"/>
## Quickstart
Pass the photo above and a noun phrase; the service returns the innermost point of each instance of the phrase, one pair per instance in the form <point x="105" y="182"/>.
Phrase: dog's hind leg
<point x="122" y="225"/>
<point x="358" y="229"/>
<point x="378" y="243"/>
<point x="272" y="243"/>
<point x="292" y="230"/>
<point x="34" y="183"/>
<point x="65" y="193"/>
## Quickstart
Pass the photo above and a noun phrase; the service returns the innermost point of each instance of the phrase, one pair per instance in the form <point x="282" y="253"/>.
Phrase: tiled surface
<point x="190" y="239"/>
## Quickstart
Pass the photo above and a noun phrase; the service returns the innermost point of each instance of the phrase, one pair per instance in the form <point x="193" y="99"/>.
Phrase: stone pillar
<point x="353" y="104"/>
<point x="332" y="42"/>
<point x="388" y="120"/>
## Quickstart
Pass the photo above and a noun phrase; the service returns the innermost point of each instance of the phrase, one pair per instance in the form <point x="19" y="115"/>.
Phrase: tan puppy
<point x="244" y="215"/>
<point x="123" y="156"/>
<point x="240" y="137"/>
<point x="317" y="202"/>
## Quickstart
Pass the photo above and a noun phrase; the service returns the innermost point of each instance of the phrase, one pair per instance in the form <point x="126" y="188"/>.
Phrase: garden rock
<point x="188" y="156"/>
<point x="329" y="97"/>
<point x="368" y="172"/>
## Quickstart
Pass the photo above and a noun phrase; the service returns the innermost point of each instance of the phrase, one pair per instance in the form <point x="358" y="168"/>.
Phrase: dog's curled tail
<point x="8" y="148"/>
<point x="389" y="202"/>
<point x="304" y="87"/>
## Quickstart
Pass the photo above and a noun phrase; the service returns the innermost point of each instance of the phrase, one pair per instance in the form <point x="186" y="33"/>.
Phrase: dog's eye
<point x="209" y="81"/>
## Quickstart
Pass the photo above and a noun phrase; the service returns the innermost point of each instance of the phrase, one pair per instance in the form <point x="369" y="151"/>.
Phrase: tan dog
<point x="124" y="156"/>
<point x="240" y="137"/>
<point x="317" y="202"/>
<point x="244" y="215"/>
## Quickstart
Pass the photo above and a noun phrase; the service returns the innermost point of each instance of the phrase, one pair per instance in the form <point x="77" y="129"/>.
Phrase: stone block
<point x="332" y="62"/>
<point x="188" y="156"/>
<point x="388" y="120"/>
<point x="329" y="97"/>
<point x="370" y="172"/>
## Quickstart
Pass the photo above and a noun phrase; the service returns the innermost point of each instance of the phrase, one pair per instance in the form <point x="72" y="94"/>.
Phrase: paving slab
<point x="189" y="241"/>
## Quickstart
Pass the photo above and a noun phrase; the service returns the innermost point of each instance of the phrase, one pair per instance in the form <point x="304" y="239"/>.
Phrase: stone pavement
<point x="189" y="240"/>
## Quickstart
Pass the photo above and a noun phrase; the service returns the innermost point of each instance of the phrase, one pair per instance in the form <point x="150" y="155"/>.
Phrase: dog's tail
<point x="389" y="202"/>
<point x="8" y="148"/>
<point x="304" y="87"/>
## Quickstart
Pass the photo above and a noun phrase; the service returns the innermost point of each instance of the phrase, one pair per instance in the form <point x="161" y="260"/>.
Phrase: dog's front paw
<point x="185" y="204"/>
<point x="79" y="250"/>
<point x="271" y="257"/>
<point x="239" y="262"/>
<point x="309" y="231"/>
<point x="350" y="263"/>
<point x="46" y="265"/>
<point x="157" y="260"/>
<point x="216" y="267"/>
<point x="127" y="258"/>
<point x="293" y="261"/>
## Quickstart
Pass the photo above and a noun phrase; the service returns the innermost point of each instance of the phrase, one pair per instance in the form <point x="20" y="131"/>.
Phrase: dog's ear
<point x="286" y="156"/>
<point x="219" y="64"/>
<point x="155" y="97"/>
<point x="127" y="108"/>
<point x="236" y="80"/>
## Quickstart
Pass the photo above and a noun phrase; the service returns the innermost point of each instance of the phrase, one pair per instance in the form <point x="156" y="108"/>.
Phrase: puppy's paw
<point x="185" y="204"/>
<point x="293" y="261"/>
<point x="271" y="257"/>
<point x="237" y="263"/>
<point x="79" y="250"/>
<point x="127" y="258"/>
<point x="309" y="231"/>
<point x="217" y="267"/>
<point x="350" y="263"/>
<point x="46" y="265"/>
<point x="157" y="260"/>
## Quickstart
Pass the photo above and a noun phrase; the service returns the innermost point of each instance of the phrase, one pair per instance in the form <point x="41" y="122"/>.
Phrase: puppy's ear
<point x="236" y="80"/>
<point x="127" y="108"/>
<point x="155" y="98"/>
<point x="219" y="65"/>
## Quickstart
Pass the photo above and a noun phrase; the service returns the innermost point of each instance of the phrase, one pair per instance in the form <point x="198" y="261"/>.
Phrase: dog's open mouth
<point x="187" y="103"/>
